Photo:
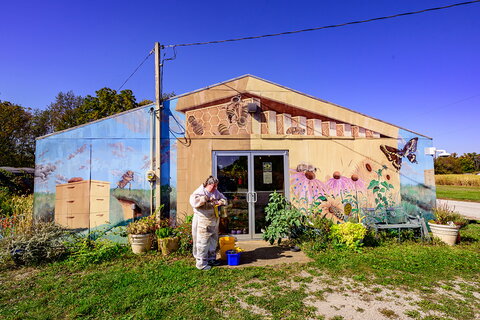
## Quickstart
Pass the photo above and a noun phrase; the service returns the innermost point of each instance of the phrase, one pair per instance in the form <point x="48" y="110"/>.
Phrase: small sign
<point x="267" y="166"/>
<point x="267" y="173"/>
<point x="267" y="178"/>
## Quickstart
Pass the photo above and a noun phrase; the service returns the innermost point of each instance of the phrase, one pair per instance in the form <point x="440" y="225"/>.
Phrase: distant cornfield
<point x="470" y="180"/>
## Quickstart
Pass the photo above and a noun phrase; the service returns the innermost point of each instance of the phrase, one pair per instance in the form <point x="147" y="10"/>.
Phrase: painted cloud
<point x="43" y="171"/>
<point x="78" y="151"/>
<point x="137" y="121"/>
<point x="119" y="149"/>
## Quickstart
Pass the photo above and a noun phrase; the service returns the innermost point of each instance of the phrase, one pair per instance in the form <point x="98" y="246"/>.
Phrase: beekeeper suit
<point x="205" y="222"/>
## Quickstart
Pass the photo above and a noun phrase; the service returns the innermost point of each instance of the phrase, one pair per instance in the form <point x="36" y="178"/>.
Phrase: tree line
<point x="21" y="125"/>
<point x="453" y="164"/>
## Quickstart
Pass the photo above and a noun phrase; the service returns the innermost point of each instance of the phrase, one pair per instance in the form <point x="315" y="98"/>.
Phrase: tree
<point x="106" y="103"/>
<point x="59" y="115"/>
<point x="16" y="136"/>
<point x="448" y="165"/>
<point x="165" y="96"/>
<point x="467" y="162"/>
<point x="145" y="102"/>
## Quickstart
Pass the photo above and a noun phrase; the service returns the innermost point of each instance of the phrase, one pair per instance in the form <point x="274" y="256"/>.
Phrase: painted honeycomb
<point x="227" y="119"/>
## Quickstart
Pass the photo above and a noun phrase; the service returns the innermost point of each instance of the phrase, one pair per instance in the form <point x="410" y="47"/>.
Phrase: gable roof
<point x="255" y="86"/>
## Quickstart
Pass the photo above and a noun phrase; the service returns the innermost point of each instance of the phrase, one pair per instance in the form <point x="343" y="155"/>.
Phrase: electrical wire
<point x="323" y="27"/>
<point x="136" y="69"/>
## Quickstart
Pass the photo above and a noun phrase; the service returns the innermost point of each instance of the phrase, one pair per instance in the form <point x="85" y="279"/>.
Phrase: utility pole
<point x="158" y="125"/>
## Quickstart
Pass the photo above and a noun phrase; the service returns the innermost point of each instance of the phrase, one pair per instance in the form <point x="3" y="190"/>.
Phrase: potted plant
<point x="140" y="233"/>
<point x="447" y="224"/>
<point x="168" y="241"/>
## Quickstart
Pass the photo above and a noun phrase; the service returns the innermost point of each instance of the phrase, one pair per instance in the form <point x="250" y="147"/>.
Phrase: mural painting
<point x="418" y="193"/>
<point x="228" y="119"/>
<point x="369" y="185"/>
<point x="93" y="176"/>
<point x="342" y="198"/>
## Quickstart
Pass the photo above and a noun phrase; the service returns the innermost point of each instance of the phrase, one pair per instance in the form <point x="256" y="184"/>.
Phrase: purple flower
<point x="305" y="185"/>
<point x="339" y="183"/>
<point x="357" y="183"/>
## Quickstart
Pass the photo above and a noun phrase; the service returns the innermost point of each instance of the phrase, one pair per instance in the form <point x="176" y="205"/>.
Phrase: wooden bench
<point x="394" y="218"/>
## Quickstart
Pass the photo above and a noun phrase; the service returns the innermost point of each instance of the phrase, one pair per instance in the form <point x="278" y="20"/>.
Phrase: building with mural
<point x="256" y="136"/>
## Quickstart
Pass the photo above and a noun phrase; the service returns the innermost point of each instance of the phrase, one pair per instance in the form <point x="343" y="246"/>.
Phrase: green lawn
<point x="153" y="287"/>
<point x="458" y="193"/>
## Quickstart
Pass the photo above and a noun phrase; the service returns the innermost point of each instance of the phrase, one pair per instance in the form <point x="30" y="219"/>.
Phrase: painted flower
<point x="332" y="209"/>
<point x="338" y="184"/>
<point x="357" y="183"/>
<point x="304" y="183"/>
<point x="366" y="170"/>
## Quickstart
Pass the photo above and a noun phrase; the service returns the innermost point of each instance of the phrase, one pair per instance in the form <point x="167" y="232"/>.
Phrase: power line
<point x="136" y="69"/>
<point x="324" y="27"/>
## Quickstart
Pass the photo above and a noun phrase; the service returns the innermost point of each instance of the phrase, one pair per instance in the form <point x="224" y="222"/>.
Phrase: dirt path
<point x="348" y="299"/>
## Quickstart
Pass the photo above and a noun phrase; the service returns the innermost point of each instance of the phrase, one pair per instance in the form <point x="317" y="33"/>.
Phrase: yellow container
<point x="226" y="243"/>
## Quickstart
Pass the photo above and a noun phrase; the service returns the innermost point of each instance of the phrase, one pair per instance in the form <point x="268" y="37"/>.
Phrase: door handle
<point x="254" y="194"/>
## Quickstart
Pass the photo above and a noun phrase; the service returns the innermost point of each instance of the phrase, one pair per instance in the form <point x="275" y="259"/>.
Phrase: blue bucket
<point x="233" y="257"/>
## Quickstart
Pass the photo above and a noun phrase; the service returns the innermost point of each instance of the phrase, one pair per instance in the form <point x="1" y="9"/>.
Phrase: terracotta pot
<point x="140" y="242"/>
<point x="447" y="234"/>
<point x="168" y="245"/>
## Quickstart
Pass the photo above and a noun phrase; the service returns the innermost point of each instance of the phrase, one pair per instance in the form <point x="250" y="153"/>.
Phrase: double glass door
<point x="247" y="178"/>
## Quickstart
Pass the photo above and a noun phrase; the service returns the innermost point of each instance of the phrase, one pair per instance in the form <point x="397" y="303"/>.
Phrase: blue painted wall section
<point x="115" y="150"/>
<point x="418" y="196"/>
<point x="172" y="133"/>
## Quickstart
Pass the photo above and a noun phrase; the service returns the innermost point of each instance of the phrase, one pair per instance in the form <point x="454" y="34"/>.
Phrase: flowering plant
<point x="444" y="215"/>
<point x="143" y="226"/>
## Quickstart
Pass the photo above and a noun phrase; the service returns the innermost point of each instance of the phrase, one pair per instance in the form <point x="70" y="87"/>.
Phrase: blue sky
<point x="420" y="72"/>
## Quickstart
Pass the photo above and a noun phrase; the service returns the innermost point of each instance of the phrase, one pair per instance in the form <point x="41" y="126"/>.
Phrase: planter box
<point x="447" y="234"/>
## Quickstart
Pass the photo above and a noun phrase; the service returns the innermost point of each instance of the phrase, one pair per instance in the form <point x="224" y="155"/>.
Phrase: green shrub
<point x="19" y="218"/>
<point x="283" y="219"/>
<point x="84" y="251"/>
<point x="348" y="234"/>
<point x="189" y="218"/>
<point x="5" y="205"/>
<point x="43" y="243"/>
<point x="16" y="183"/>
<point x="316" y="236"/>
<point x="184" y="231"/>
<point x="165" y="232"/>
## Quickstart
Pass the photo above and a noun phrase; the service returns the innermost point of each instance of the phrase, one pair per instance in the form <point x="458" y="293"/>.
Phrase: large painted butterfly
<point x="395" y="155"/>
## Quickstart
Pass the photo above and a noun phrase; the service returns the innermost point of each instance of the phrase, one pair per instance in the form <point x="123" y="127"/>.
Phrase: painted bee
<point x="127" y="178"/>
<point x="236" y="112"/>
<point x="223" y="129"/>
<point x="196" y="127"/>
<point x="308" y="169"/>
<point x="295" y="131"/>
